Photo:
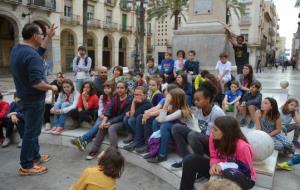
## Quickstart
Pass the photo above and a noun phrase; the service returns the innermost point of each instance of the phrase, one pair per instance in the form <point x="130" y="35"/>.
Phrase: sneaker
<point x="79" y="143"/>
<point x="47" y="127"/>
<point x="296" y="144"/>
<point x="177" y="165"/>
<point x="6" y="142"/>
<point x="243" y="122"/>
<point x="157" y="159"/>
<point x="251" y="125"/>
<point x="58" y="131"/>
<point x="53" y="130"/>
<point x="129" y="139"/>
<point x="141" y="150"/>
<point x="20" y="144"/>
<point x="129" y="147"/>
<point x="91" y="155"/>
<point x="147" y="156"/>
<point x="284" y="166"/>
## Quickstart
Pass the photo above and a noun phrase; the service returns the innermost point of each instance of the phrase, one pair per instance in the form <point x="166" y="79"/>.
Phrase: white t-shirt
<point x="205" y="123"/>
<point x="224" y="67"/>
<point x="179" y="66"/>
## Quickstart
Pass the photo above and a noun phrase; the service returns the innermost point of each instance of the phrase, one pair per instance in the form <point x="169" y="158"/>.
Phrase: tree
<point x="234" y="6"/>
<point x="297" y="4"/>
<point x="84" y="22"/>
<point x="160" y="9"/>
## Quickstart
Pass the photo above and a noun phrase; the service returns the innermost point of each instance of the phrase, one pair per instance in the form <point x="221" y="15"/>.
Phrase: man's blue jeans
<point x="33" y="116"/>
<point x="88" y="136"/>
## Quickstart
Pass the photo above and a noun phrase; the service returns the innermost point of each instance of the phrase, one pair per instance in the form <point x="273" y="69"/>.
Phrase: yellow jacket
<point x="93" y="178"/>
<point x="198" y="81"/>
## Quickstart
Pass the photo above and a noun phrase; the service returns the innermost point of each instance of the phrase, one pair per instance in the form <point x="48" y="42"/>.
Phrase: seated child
<point x="289" y="112"/>
<point x="224" y="70"/>
<point x="232" y="97"/>
<point x="251" y="102"/>
<point x="103" y="176"/>
<point x="4" y="107"/>
<point x="268" y="120"/>
<point x="15" y="117"/>
<point x="154" y="94"/>
<point x="130" y="81"/>
<point x="200" y="79"/>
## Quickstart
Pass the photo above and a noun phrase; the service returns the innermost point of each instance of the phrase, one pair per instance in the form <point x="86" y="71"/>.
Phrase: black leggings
<point x="84" y="115"/>
<point x="194" y="164"/>
<point x="47" y="113"/>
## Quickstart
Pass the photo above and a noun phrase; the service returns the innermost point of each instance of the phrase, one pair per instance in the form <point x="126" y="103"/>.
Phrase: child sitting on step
<point x="232" y="97"/>
<point x="268" y="120"/>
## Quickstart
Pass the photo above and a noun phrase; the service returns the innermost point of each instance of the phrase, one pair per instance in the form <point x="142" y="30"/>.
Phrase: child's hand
<point x="215" y="170"/>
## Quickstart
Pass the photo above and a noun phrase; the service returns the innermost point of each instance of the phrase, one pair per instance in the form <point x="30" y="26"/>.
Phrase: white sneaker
<point x="20" y="144"/>
<point x="47" y="126"/>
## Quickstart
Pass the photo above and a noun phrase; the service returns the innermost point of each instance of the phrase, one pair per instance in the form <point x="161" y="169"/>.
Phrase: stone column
<point x="56" y="54"/>
<point x="99" y="55"/>
<point x="115" y="55"/>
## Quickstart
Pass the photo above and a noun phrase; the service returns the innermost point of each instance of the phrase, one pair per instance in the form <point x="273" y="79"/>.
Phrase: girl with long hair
<point x="289" y="112"/>
<point x="230" y="157"/>
<point x="181" y="81"/>
<point x="268" y="120"/>
<point x="104" y="102"/>
<point x="175" y="110"/>
<point x="154" y="93"/>
<point x="112" y="121"/>
<point x="67" y="100"/>
<point x="246" y="78"/>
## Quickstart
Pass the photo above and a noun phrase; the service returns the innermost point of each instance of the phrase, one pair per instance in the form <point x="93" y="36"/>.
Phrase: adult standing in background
<point x="28" y="74"/>
<point x="81" y="66"/>
<point x="100" y="80"/>
<point x="240" y="51"/>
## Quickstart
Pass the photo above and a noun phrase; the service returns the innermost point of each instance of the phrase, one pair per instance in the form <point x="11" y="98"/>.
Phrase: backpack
<point x="85" y="60"/>
<point x="154" y="143"/>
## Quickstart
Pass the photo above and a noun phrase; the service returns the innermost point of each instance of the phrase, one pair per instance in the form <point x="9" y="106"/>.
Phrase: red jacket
<point x="4" y="107"/>
<point x="92" y="102"/>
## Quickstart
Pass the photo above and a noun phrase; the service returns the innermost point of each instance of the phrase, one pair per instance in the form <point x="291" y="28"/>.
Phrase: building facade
<point x="111" y="30"/>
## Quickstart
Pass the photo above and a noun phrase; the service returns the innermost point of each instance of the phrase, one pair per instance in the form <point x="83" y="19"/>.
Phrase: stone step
<point x="265" y="170"/>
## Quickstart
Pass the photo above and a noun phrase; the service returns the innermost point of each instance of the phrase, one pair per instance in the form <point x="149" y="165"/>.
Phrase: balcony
<point x="245" y="20"/>
<point x="13" y="2"/>
<point x="94" y="23"/>
<point x="71" y="20"/>
<point x="124" y="5"/>
<point x="127" y="29"/>
<point x="272" y="32"/>
<point x="110" y="26"/>
<point x="245" y="1"/>
<point x="49" y="5"/>
<point x="110" y="3"/>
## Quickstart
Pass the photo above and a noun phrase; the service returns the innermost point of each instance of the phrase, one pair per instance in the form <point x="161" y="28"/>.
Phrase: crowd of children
<point x="175" y="105"/>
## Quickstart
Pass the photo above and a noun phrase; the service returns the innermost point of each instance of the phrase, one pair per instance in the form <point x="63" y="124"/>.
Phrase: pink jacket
<point x="243" y="153"/>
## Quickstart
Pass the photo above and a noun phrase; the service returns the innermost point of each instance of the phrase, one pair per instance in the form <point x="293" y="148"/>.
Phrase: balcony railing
<point x="44" y="4"/>
<point x="127" y="29"/>
<point x="245" y="20"/>
<point x="71" y="20"/>
<point x="124" y="5"/>
<point x="110" y="3"/>
<point x="15" y="2"/>
<point x="111" y="26"/>
<point x="94" y="23"/>
<point x="245" y="1"/>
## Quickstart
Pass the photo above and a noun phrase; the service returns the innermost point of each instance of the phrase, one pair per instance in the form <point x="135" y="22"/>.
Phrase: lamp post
<point x="297" y="44"/>
<point x="140" y="7"/>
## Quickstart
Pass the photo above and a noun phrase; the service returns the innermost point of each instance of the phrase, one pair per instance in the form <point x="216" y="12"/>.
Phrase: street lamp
<point x="140" y="7"/>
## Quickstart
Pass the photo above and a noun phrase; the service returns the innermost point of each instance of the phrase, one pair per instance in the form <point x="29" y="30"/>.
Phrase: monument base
<point x="207" y="39"/>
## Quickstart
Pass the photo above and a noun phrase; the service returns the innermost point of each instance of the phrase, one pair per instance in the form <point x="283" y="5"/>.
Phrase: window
<point x="149" y="28"/>
<point x="245" y="37"/>
<point x="68" y="8"/>
<point x="108" y="16"/>
<point x="70" y="40"/>
<point x="90" y="12"/>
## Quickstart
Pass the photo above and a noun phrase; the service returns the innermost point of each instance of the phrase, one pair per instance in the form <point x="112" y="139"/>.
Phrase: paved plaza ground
<point x="67" y="163"/>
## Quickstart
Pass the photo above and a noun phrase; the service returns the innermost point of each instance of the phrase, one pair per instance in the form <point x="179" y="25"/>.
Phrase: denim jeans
<point x="59" y="120"/>
<point x="295" y="160"/>
<point x="33" y="116"/>
<point x="165" y="132"/>
<point x="88" y="136"/>
<point x="142" y="132"/>
<point x="129" y="124"/>
<point x="79" y="83"/>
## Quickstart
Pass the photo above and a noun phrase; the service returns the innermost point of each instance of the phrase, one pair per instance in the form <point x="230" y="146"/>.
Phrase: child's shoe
<point x="284" y="166"/>
<point x="296" y="144"/>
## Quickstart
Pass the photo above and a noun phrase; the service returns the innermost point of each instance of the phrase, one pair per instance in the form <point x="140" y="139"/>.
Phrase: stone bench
<point x="265" y="171"/>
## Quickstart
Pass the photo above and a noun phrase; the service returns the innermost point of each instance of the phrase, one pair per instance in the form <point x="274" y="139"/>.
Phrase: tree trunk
<point x="84" y="23"/>
<point x="176" y="20"/>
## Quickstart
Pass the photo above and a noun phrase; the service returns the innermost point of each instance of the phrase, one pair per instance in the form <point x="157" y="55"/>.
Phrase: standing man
<point x="81" y="66"/>
<point x="100" y="80"/>
<point x="28" y="74"/>
<point x="240" y="51"/>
